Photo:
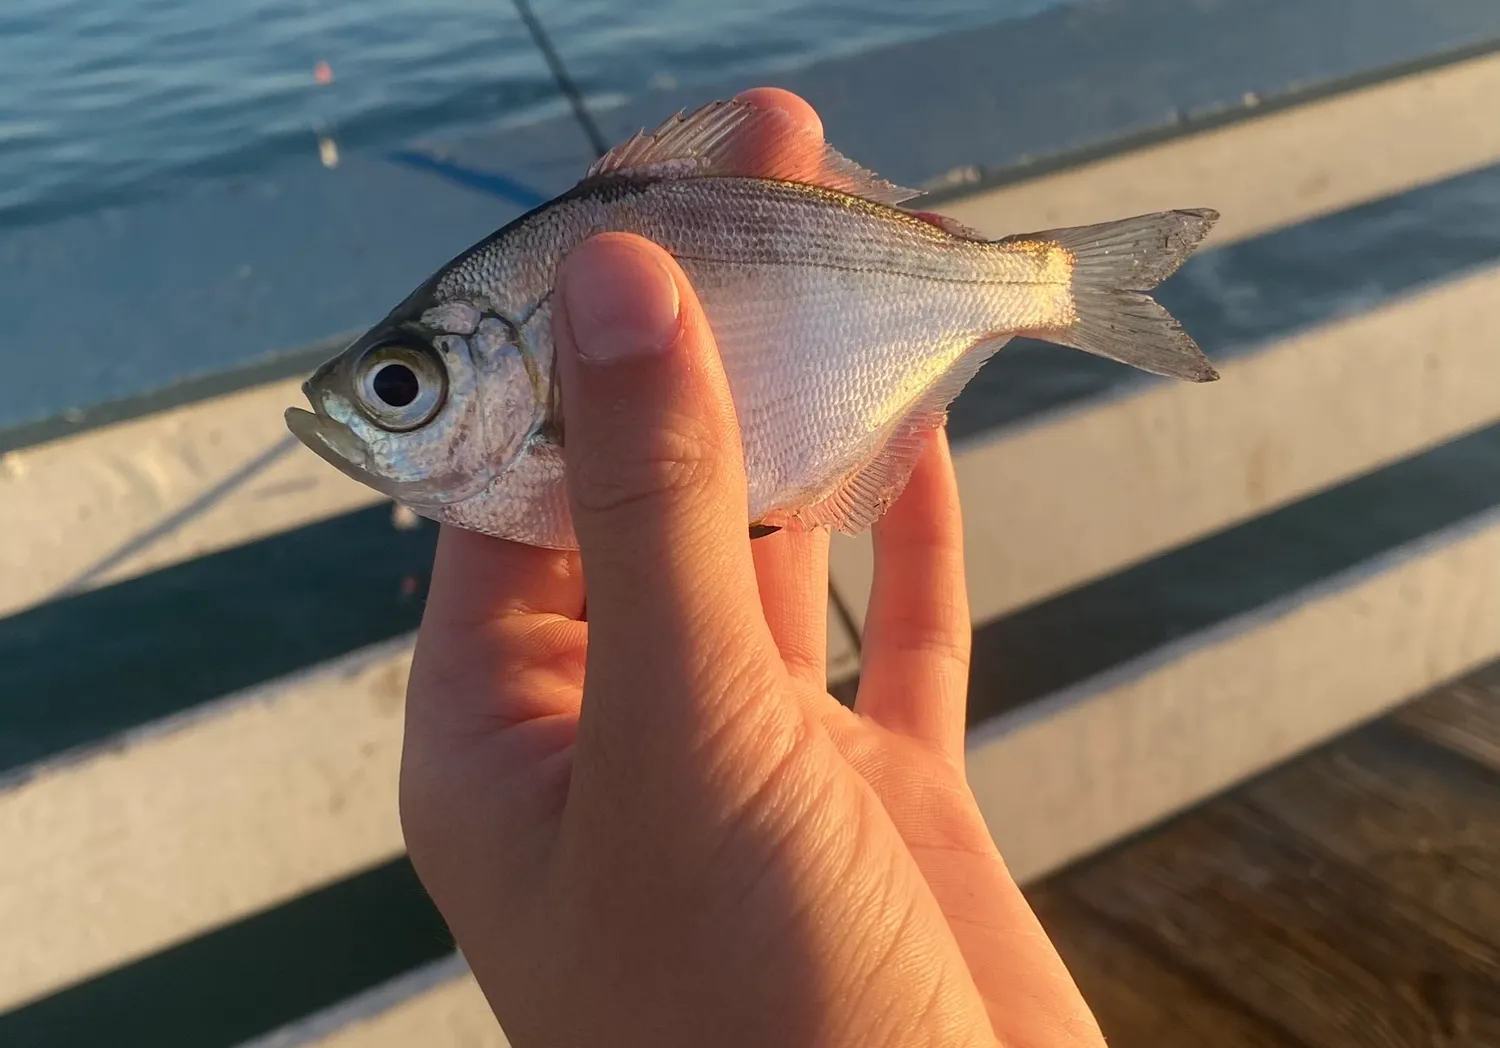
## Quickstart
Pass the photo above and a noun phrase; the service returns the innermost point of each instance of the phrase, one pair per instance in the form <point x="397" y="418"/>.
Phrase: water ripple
<point x="102" y="102"/>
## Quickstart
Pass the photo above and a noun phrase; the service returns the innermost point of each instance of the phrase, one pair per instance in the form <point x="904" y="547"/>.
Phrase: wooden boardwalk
<point x="1348" y="898"/>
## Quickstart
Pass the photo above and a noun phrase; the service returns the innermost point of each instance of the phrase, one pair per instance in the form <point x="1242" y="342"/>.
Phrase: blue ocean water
<point x="103" y="101"/>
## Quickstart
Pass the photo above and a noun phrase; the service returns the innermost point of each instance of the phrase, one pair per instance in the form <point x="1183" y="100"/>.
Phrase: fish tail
<point x="1114" y="264"/>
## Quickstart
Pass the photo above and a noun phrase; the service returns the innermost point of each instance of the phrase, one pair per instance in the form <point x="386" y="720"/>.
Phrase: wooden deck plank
<point x="1427" y="825"/>
<point x="1464" y="718"/>
<point x="1141" y="1000"/>
<point x="1302" y="939"/>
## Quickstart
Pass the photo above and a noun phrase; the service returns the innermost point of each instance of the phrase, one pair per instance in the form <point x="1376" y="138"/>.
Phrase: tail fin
<point x="1114" y="264"/>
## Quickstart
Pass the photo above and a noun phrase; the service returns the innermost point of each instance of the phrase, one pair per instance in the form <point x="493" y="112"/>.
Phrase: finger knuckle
<point x="942" y="639"/>
<point x="632" y="471"/>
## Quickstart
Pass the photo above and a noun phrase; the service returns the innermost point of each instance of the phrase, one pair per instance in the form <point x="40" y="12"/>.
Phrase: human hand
<point x="692" y="842"/>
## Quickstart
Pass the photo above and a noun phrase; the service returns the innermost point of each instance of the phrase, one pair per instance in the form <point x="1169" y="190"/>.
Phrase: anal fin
<point x="864" y="496"/>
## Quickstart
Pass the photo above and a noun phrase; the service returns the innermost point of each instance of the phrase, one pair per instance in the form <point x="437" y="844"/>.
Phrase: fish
<point x="846" y="324"/>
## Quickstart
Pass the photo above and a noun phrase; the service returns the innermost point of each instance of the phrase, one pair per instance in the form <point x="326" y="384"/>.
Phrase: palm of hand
<point x="839" y="837"/>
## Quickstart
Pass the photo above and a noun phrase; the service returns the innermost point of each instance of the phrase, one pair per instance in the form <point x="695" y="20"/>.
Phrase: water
<point x="102" y="102"/>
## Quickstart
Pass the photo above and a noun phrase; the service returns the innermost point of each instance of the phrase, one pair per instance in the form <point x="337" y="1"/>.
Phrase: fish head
<point x="429" y="406"/>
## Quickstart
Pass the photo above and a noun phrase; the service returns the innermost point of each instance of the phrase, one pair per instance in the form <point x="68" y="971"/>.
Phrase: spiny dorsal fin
<point x="738" y="138"/>
<point x="952" y="226"/>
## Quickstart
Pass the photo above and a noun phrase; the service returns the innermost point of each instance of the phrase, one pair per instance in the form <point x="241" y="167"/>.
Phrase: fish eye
<point x="401" y="385"/>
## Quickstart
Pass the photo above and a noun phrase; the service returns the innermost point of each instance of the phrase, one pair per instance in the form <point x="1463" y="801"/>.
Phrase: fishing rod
<point x="560" y="74"/>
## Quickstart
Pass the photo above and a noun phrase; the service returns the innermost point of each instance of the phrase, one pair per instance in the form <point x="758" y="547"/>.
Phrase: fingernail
<point x="620" y="299"/>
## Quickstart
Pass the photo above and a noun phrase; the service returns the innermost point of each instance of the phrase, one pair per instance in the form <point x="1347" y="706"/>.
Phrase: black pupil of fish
<point x="396" y="385"/>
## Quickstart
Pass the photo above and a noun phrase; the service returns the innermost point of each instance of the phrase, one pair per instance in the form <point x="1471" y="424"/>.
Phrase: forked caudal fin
<point x="1114" y="264"/>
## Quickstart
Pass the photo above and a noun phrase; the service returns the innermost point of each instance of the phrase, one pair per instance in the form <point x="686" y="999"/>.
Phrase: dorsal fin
<point x="738" y="138"/>
<point x="952" y="226"/>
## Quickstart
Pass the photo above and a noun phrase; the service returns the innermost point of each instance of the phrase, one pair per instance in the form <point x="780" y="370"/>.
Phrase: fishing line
<point x="560" y="74"/>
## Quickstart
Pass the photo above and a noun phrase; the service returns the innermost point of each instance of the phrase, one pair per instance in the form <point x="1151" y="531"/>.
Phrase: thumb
<point x="657" y="482"/>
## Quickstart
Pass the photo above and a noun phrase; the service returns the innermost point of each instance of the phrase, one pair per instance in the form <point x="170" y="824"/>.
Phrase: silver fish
<point x="846" y="326"/>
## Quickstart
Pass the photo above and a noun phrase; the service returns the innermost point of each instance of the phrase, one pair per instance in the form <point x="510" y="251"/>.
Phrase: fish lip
<point x="331" y="440"/>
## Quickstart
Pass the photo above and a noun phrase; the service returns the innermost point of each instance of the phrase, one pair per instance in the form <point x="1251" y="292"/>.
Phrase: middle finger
<point x="791" y="569"/>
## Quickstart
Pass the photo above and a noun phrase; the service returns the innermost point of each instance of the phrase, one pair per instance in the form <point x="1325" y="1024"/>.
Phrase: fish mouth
<point x="339" y="446"/>
<point x="333" y="442"/>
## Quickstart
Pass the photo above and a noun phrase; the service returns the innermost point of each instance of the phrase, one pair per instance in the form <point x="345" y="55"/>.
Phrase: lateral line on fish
<point x="882" y="271"/>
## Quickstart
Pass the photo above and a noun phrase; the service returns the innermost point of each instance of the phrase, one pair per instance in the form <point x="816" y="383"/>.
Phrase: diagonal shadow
<point x="172" y="522"/>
